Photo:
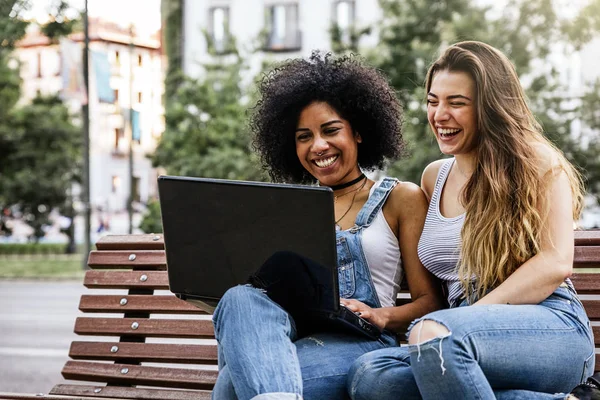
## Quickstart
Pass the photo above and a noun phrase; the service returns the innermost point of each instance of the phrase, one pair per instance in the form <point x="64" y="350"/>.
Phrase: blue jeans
<point x="267" y="362"/>
<point x="492" y="351"/>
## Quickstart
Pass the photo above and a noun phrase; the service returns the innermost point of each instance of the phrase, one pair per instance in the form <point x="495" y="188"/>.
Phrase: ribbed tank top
<point x="439" y="245"/>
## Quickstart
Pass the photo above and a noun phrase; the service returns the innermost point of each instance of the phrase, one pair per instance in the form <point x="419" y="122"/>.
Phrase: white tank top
<point x="382" y="253"/>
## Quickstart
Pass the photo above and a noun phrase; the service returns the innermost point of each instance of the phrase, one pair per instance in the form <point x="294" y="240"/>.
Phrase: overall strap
<point x="375" y="201"/>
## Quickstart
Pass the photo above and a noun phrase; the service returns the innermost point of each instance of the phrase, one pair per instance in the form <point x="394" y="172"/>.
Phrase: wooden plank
<point x="144" y="352"/>
<point x="147" y="327"/>
<point x="179" y="378"/>
<point x="586" y="255"/>
<point x="134" y="259"/>
<point x="131" y="242"/>
<point x="101" y="279"/>
<point x="587" y="237"/>
<point x="155" y="304"/>
<point x="586" y="283"/>
<point x="592" y="309"/>
<point x="129" y="393"/>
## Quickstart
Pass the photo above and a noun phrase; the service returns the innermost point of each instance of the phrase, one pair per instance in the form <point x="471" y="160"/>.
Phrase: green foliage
<point x="151" y="222"/>
<point x="12" y="24"/>
<point x="59" y="24"/>
<point x="44" y="161"/>
<point x="414" y="31"/>
<point x="173" y="40"/>
<point x="205" y="131"/>
<point x="342" y="42"/>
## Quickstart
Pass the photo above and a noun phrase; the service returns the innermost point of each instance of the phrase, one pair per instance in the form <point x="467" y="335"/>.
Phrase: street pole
<point x="85" y="110"/>
<point x="131" y="185"/>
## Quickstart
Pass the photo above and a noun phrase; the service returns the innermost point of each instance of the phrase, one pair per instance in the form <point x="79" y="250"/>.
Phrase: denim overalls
<point x="257" y="347"/>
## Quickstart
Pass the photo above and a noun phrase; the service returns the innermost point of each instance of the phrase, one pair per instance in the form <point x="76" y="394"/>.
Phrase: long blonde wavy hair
<point x="504" y="198"/>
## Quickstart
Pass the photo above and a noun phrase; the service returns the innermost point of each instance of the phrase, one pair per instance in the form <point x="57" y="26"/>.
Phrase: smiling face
<point x="451" y="112"/>
<point x="326" y="145"/>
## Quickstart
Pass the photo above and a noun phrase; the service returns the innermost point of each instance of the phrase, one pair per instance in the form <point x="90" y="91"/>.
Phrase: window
<point x="344" y="16"/>
<point x="135" y="189"/>
<point x="117" y="58"/>
<point x="119" y="135"/>
<point x="116" y="91"/>
<point x="39" y="65"/>
<point x="139" y="60"/>
<point x="219" y="29"/>
<point x="139" y="97"/>
<point x="283" y="33"/>
<point x="116" y="183"/>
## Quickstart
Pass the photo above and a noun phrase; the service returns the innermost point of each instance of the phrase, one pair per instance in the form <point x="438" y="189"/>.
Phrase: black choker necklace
<point x="348" y="184"/>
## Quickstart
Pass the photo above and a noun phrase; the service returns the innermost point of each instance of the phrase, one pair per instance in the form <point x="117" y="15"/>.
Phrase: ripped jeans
<point x="260" y="358"/>
<point x="490" y="351"/>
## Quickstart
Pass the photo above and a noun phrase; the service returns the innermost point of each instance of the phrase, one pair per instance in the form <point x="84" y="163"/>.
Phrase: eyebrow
<point x="451" y="97"/>
<point x="324" y="125"/>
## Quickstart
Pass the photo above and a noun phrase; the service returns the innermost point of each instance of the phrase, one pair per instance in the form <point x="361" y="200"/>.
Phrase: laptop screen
<point x="219" y="232"/>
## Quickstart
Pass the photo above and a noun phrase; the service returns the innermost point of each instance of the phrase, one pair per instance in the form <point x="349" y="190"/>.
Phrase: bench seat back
<point x="141" y="342"/>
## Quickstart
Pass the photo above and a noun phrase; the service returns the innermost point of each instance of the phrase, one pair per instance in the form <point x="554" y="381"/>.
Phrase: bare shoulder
<point x="547" y="158"/>
<point x="407" y="199"/>
<point x="429" y="177"/>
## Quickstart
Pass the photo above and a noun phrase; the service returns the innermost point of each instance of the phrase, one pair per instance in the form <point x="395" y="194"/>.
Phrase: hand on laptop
<point x="376" y="316"/>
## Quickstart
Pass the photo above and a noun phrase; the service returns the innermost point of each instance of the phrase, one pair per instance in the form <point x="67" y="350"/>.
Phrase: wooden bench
<point x="147" y="344"/>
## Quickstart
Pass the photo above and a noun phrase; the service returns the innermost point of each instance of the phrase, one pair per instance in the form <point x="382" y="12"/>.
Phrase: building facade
<point x="136" y="85"/>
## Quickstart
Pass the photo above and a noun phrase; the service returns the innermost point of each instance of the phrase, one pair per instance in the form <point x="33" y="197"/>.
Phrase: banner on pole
<point x="101" y="67"/>
<point x="73" y="87"/>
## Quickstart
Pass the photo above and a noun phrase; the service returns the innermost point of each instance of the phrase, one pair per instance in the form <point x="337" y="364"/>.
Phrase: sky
<point x="144" y="14"/>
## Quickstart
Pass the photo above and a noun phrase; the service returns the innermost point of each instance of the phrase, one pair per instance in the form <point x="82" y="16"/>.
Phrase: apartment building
<point x="135" y="84"/>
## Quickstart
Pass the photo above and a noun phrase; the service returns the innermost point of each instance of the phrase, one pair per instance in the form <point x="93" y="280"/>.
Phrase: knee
<point x="374" y="376"/>
<point x="361" y="377"/>
<point x="426" y="330"/>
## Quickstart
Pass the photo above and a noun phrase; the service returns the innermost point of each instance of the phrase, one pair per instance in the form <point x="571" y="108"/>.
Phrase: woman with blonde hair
<point x="499" y="234"/>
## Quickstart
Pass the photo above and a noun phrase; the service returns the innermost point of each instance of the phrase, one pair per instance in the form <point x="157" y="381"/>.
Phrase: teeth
<point x="326" y="162"/>
<point x="445" y="132"/>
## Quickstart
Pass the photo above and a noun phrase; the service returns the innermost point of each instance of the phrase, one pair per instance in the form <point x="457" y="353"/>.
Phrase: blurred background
<point x="99" y="97"/>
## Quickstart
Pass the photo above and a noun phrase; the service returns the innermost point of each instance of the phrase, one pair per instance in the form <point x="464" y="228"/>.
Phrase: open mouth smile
<point x="448" y="133"/>
<point x="325" y="162"/>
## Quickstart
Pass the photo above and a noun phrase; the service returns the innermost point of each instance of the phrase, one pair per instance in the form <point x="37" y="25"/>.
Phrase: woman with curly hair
<point x="325" y="120"/>
<point x="499" y="234"/>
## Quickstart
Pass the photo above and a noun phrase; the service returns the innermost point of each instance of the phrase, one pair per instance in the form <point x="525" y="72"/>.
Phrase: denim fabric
<point x="491" y="351"/>
<point x="260" y="355"/>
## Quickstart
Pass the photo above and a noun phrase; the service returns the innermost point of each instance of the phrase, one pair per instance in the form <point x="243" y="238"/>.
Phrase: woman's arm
<point x="537" y="278"/>
<point x="407" y="206"/>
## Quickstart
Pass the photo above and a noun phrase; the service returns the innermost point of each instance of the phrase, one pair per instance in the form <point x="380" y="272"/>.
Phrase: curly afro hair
<point x="359" y="93"/>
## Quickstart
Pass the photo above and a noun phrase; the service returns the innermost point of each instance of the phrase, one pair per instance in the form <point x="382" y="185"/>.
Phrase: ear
<point x="358" y="137"/>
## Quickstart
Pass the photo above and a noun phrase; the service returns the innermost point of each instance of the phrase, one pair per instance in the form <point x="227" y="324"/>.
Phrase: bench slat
<point x="115" y="392"/>
<point x="159" y="304"/>
<point x="587" y="238"/>
<point x="140" y="375"/>
<point x="586" y="283"/>
<point x="149" y="327"/>
<point x="151" y="259"/>
<point x="144" y="352"/>
<point x="586" y="255"/>
<point x="592" y="309"/>
<point x="101" y="279"/>
<point x="155" y="259"/>
<point x="131" y="242"/>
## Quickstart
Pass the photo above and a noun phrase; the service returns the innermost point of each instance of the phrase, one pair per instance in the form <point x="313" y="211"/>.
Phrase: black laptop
<point x="218" y="232"/>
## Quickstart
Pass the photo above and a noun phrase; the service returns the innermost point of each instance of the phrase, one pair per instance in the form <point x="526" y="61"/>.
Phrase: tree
<point x="205" y="131"/>
<point x="412" y="33"/>
<point x="38" y="176"/>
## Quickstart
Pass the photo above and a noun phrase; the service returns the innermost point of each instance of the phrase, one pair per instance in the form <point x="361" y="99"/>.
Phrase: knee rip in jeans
<point x="428" y="331"/>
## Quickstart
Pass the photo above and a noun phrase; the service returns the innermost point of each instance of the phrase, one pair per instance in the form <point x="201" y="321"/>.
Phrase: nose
<point x="441" y="113"/>
<point x="320" y="144"/>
